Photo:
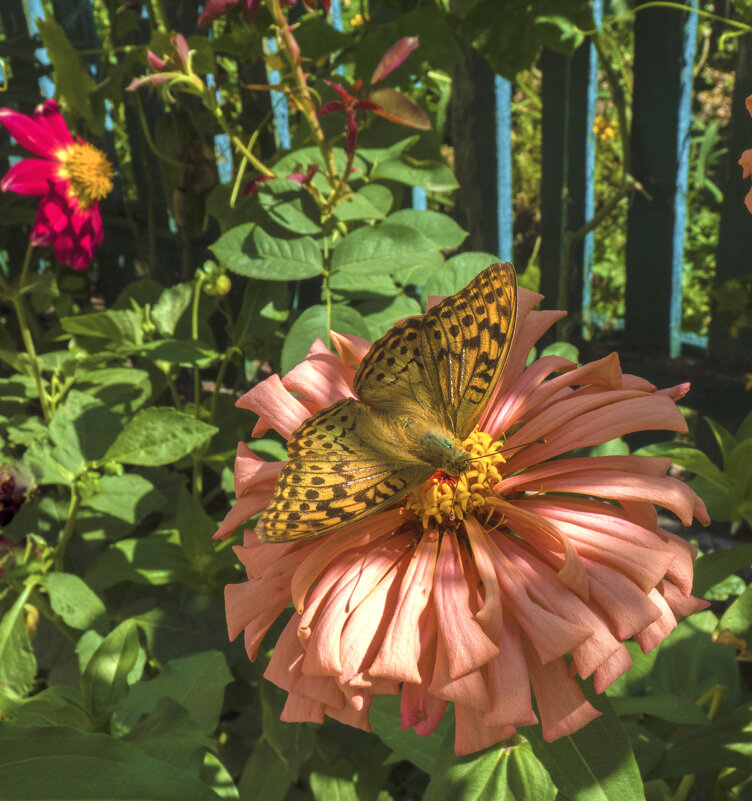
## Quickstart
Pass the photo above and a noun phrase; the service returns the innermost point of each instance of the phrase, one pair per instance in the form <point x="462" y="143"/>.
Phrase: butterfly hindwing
<point x="464" y="342"/>
<point x="341" y="470"/>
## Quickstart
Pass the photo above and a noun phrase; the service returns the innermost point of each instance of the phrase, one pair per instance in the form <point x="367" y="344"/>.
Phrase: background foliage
<point x="116" y="677"/>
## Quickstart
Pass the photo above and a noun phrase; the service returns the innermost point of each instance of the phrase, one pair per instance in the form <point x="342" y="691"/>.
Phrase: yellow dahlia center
<point x="444" y="497"/>
<point x="88" y="172"/>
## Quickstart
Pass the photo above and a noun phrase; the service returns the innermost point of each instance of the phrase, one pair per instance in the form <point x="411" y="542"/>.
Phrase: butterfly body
<point x="421" y="390"/>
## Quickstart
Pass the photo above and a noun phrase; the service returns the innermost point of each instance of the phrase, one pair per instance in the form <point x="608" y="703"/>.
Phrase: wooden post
<point x="474" y="138"/>
<point x="733" y="259"/>
<point x="566" y="181"/>
<point x="664" y="48"/>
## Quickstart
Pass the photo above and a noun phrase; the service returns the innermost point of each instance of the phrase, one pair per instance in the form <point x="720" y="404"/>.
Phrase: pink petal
<point x="562" y="706"/>
<point x="394" y="57"/>
<point x="659" y="629"/>
<point x="615" y="666"/>
<point x="329" y="549"/>
<point x="490" y="614"/>
<point x="746" y="163"/>
<point x="472" y="734"/>
<point x="468" y="646"/>
<point x="250" y="504"/>
<point x="469" y="689"/>
<point x="398" y="656"/>
<point x="351" y="348"/>
<point x="681" y="605"/>
<point x="253" y="473"/>
<point x="420" y="709"/>
<point x="48" y="115"/>
<point x="509" y="683"/>
<point x="31" y="134"/>
<point x="30" y="177"/>
<point x="321" y="378"/>
<point x="299" y="709"/>
<point x="275" y="406"/>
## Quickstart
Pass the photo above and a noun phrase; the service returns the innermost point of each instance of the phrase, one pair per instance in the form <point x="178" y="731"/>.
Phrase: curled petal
<point x="275" y="406"/>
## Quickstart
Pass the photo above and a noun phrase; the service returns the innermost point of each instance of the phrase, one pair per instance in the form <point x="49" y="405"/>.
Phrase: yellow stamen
<point x="446" y="497"/>
<point x="88" y="172"/>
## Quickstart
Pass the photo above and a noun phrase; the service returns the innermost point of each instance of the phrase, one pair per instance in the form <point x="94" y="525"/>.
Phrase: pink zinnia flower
<point x="72" y="177"/>
<point x="560" y="556"/>
<point x="746" y="163"/>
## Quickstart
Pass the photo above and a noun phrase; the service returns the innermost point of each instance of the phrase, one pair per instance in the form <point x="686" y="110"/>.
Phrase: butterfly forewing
<point x="429" y="375"/>
<point x="464" y="341"/>
<point x="341" y="469"/>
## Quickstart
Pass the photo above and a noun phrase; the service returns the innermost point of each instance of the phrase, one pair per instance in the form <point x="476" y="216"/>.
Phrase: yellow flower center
<point x="88" y="172"/>
<point x="454" y="498"/>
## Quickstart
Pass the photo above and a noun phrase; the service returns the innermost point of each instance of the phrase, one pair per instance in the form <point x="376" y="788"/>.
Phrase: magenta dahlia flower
<point x="558" y="561"/>
<point x="72" y="176"/>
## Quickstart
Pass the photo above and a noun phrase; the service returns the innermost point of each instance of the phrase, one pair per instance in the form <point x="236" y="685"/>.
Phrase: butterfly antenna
<point x="540" y="441"/>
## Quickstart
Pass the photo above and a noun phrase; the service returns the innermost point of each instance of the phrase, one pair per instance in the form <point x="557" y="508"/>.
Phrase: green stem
<point x="18" y="304"/>
<point x="211" y="103"/>
<point x="44" y="607"/>
<point x="288" y="47"/>
<point x="70" y="525"/>
<point x="149" y="141"/>
<point x="200" y="280"/>
<point x="229" y="353"/>
<point x="741" y="26"/>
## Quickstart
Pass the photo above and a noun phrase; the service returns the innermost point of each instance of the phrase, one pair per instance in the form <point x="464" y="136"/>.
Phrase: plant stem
<point x="70" y="525"/>
<point x="211" y="103"/>
<point x="288" y="47"/>
<point x="16" y="298"/>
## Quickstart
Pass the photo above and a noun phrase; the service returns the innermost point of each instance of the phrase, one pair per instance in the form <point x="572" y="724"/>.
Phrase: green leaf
<point x="689" y="663"/>
<point x="508" y="771"/>
<point x="564" y="349"/>
<point x="128" y="497"/>
<point x="122" y="390"/>
<point x="74" y="601"/>
<point x="381" y="315"/>
<point x="104" y="682"/>
<point x="433" y="176"/>
<point x="153" y="560"/>
<point x="18" y="665"/>
<point x="595" y="763"/>
<point x="290" y="205"/>
<point x="370" y="202"/>
<point x="673" y="708"/>
<point x="441" y="229"/>
<point x="745" y="429"/>
<point x="315" y="323"/>
<point x="82" y="428"/>
<point x="689" y="459"/>
<point x="385" y="249"/>
<point x="354" y="286"/>
<point x="249" y="250"/>
<point x="265" y="775"/>
<point x="216" y="775"/>
<point x="373" y="155"/>
<point x="182" y="352"/>
<point x="169" y="734"/>
<point x="120" y="326"/>
<point x="294" y="743"/>
<point x="738" y="617"/>
<point x="725" y="744"/>
<point x="724" y="438"/>
<point x="457" y="273"/>
<point x="170" y="307"/>
<point x="69" y="765"/>
<point x="157" y="436"/>
<point x="197" y="682"/>
<point x="712" y="568"/>
<point x="266" y="304"/>
<point x="73" y="80"/>
<point x="328" y="787"/>
<point x="423" y="752"/>
<point x="54" y="706"/>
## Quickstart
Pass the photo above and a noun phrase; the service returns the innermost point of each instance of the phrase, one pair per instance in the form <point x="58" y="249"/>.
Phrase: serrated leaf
<point x="441" y="229"/>
<point x="370" y="202"/>
<point x="158" y="436"/>
<point x="249" y="250"/>
<point x="386" y="249"/>
<point x="290" y="205"/>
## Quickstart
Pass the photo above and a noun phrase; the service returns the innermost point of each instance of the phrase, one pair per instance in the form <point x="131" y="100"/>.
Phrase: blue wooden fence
<point x="660" y="145"/>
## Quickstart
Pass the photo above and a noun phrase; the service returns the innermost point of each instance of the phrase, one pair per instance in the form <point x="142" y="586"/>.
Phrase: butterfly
<point x="421" y="390"/>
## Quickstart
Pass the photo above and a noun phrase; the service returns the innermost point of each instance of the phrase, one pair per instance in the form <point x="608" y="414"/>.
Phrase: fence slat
<point x="664" y="47"/>
<point x="732" y="256"/>
<point x="504" y="199"/>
